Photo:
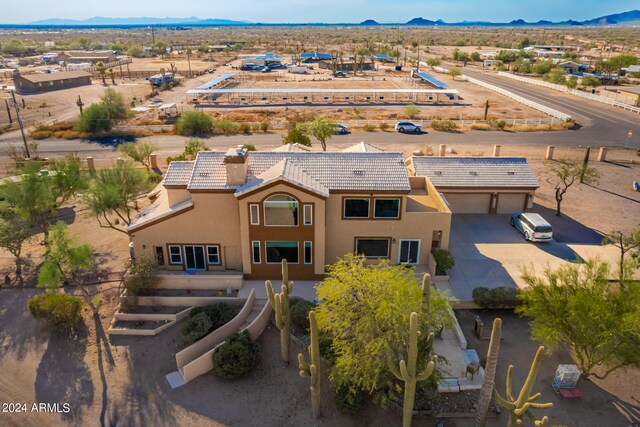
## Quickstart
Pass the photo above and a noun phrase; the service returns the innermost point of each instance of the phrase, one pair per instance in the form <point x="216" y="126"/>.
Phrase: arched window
<point x="281" y="210"/>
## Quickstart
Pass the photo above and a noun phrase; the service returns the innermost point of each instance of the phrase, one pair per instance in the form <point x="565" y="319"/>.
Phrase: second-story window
<point x="281" y="210"/>
<point x="254" y="211"/>
<point x="386" y="208"/>
<point x="308" y="214"/>
<point x="356" y="208"/>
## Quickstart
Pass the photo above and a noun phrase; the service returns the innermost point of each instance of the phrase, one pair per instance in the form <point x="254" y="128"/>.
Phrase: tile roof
<point x="370" y="171"/>
<point x="178" y="173"/>
<point x="362" y="147"/>
<point x="288" y="148"/>
<point x="287" y="171"/>
<point x="475" y="171"/>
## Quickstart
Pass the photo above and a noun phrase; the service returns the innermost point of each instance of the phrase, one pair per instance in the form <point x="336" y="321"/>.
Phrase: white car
<point x="403" y="127"/>
<point x="533" y="226"/>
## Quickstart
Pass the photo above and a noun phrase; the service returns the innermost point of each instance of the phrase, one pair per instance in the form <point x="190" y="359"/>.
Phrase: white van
<point x="533" y="226"/>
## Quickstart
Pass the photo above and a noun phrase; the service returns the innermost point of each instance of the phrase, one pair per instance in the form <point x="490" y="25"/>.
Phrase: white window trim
<point x="217" y="253"/>
<point x="304" y="215"/>
<point x="264" y="213"/>
<point x="373" y="238"/>
<point x="253" y="260"/>
<point x="179" y="253"/>
<point x="256" y="220"/>
<point x="266" y="259"/>
<point x="344" y="208"/>
<point x="400" y="247"/>
<point x="304" y="255"/>
<point x="387" y="198"/>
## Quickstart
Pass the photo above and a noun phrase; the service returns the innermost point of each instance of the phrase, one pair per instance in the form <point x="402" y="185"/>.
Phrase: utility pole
<point x="80" y="104"/>
<point x="6" y="104"/>
<point x="153" y="36"/>
<point x="188" y="58"/>
<point x="24" y="138"/>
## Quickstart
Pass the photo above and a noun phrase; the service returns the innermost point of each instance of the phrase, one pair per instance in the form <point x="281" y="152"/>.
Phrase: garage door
<point x="510" y="203"/>
<point x="468" y="202"/>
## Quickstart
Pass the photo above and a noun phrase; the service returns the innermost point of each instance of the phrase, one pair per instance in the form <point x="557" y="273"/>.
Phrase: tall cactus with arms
<point x="519" y="407"/>
<point x="489" y="373"/>
<point x="312" y="370"/>
<point x="407" y="371"/>
<point x="280" y="303"/>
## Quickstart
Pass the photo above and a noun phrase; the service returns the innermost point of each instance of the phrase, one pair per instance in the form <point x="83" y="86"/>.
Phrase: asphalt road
<point x="601" y="123"/>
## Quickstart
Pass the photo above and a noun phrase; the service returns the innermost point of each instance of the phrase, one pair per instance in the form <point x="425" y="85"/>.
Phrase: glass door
<point x="194" y="258"/>
<point x="409" y="252"/>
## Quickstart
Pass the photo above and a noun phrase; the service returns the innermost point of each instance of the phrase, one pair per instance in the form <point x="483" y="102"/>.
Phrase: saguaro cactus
<point x="519" y="407"/>
<point x="280" y="303"/>
<point x="407" y="371"/>
<point x="426" y="293"/>
<point x="488" y="383"/>
<point x="312" y="369"/>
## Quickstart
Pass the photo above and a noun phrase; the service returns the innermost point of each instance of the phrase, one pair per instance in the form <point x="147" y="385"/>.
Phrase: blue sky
<point x="320" y="10"/>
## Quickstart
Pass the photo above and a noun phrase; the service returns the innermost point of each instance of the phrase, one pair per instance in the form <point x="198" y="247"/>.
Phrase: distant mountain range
<point x="615" y="19"/>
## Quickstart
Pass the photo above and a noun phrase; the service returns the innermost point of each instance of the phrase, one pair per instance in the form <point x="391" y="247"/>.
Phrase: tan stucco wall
<point x="177" y="195"/>
<point x="213" y="220"/>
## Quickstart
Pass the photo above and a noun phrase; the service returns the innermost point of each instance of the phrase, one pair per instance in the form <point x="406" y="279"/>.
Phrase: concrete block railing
<point x="550" y="111"/>
<point x="560" y="88"/>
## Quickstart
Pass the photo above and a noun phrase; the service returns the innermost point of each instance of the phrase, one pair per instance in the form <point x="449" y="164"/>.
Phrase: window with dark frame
<point x="373" y="248"/>
<point x="175" y="254"/>
<point x="277" y="251"/>
<point x="255" y="214"/>
<point x="308" y="252"/>
<point x="256" y="252"/>
<point x="308" y="214"/>
<point x="213" y="255"/>
<point x="159" y="255"/>
<point x="386" y="208"/>
<point x="356" y="208"/>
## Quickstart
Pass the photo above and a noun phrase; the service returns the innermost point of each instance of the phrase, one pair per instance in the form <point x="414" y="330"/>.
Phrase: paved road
<point x="602" y="124"/>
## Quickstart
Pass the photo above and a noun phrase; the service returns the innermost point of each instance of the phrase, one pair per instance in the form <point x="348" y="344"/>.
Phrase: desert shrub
<point x="300" y="315"/>
<point x="369" y="127"/>
<point x="348" y="401"/>
<point x="264" y="126"/>
<point x="384" y="126"/>
<point x="219" y="314"/>
<point x="249" y="147"/>
<point x="255" y="126"/>
<point x="40" y="134"/>
<point x="444" y="125"/>
<point x="501" y="124"/>
<point x="61" y="312"/>
<point x="143" y="274"/>
<point x="95" y="118"/>
<point x="194" y="123"/>
<point x="236" y="357"/>
<point x="296" y="135"/>
<point x="411" y="111"/>
<point x="500" y="297"/>
<point x="197" y="327"/>
<point x="444" y="261"/>
<point x="225" y="126"/>
<point x="244" y="128"/>
<point x="480" y="126"/>
<point x="425" y="150"/>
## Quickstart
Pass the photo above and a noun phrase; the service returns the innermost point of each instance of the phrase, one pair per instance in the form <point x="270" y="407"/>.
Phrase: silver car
<point x="533" y="226"/>
<point x="403" y="127"/>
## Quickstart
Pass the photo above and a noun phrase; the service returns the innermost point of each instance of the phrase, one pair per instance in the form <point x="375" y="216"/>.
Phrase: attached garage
<point x="494" y="185"/>
<point x="468" y="202"/>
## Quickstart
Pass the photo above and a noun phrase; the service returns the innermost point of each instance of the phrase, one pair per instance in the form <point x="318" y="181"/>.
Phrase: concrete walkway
<point x="302" y="288"/>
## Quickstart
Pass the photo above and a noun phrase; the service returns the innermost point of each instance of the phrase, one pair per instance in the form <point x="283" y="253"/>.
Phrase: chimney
<point x="235" y="161"/>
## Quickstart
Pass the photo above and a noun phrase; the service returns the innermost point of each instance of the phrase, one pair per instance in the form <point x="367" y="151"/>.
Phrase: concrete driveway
<point x="490" y="252"/>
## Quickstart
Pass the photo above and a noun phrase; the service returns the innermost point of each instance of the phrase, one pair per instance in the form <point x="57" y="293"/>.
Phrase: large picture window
<point x="356" y="208"/>
<point x="386" y="208"/>
<point x="281" y="210"/>
<point x="373" y="248"/>
<point x="277" y="251"/>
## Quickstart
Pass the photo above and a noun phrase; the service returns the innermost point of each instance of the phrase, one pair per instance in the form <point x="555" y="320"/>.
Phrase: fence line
<point x="576" y="92"/>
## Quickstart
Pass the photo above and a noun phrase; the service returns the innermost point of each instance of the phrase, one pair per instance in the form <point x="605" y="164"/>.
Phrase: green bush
<point x="500" y="297"/>
<point x="347" y="400"/>
<point x="236" y="357"/>
<point x="444" y="261"/>
<point x="245" y="128"/>
<point x="249" y="147"/>
<point x="61" y="312"/>
<point x="194" y="123"/>
<point x="219" y="314"/>
<point x="300" y="315"/>
<point x="295" y="135"/>
<point x="384" y="126"/>
<point x="94" y="118"/>
<point x="369" y="127"/>
<point x="501" y="124"/>
<point x="444" y="125"/>
<point x="197" y="327"/>
<point x="264" y="126"/>
<point x="143" y="273"/>
<point x="225" y="126"/>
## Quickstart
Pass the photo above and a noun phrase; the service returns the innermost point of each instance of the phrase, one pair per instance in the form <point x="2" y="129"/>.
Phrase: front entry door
<point x="194" y="258"/>
<point x="409" y="252"/>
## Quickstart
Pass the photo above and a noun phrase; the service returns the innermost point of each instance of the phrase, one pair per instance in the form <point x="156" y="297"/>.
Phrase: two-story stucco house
<point x="246" y="211"/>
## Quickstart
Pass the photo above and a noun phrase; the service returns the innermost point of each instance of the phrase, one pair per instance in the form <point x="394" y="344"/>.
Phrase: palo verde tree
<point x="67" y="262"/>
<point x="38" y="196"/>
<point x="103" y="116"/>
<point x="322" y="129"/>
<point x="564" y="173"/>
<point x="577" y="305"/>
<point x="364" y="314"/>
<point x="629" y="243"/>
<point x="14" y="231"/>
<point x="453" y="73"/>
<point x="139" y="152"/>
<point x="112" y="197"/>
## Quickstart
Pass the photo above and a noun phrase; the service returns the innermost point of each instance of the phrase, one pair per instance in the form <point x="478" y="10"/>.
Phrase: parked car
<point x="403" y="127"/>
<point x="341" y="129"/>
<point x="339" y="74"/>
<point x="533" y="226"/>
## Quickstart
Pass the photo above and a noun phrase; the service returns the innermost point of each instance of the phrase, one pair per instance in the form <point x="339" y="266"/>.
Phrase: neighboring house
<point x="246" y="211"/>
<point x="632" y="69"/>
<point x="45" y="82"/>
<point x="262" y="60"/>
<point x="106" y="56"/>
<point x="495" y="185"/>
<point x="315" y="56"/>
<point x="347" y="65"/>
<point x="572" y="67"/>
